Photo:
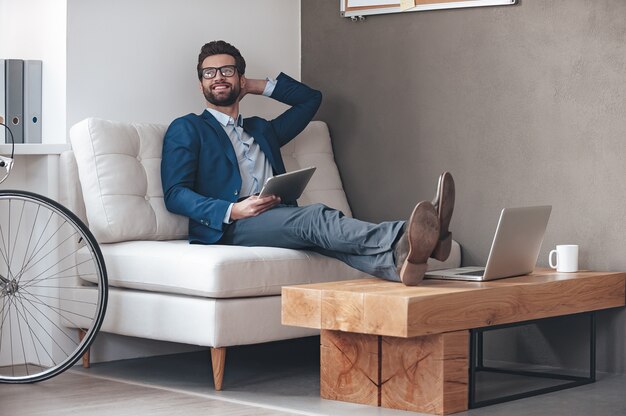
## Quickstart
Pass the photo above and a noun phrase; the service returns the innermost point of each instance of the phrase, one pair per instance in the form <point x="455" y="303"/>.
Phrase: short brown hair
<point x="219" y="47"/>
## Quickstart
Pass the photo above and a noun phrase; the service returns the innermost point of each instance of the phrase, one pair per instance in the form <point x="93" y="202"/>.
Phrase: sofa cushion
<point x="119" y="166"/>
<point x="218" y="271"/>
<point x="313" y="147"/>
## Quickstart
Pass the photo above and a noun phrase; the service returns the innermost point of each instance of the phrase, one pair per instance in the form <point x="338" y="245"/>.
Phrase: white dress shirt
<point x="254" y="166"/>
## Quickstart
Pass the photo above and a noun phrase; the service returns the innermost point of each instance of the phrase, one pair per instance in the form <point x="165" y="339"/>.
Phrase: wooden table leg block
<point x="426" y="374"/>
<point x="349" y="367"/>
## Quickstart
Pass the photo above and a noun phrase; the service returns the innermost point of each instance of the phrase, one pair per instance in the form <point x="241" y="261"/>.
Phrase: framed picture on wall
<point x="354" y="8"/>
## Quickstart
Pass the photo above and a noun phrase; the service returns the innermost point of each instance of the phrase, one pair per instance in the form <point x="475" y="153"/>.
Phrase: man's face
<point x="221" y="91"/>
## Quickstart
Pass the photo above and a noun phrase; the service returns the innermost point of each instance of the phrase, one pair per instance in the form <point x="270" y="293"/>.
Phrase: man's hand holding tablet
<point x="280" y="188"/>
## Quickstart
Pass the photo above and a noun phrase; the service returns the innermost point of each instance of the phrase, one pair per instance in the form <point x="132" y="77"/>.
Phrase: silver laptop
<point x="514" y="249"/>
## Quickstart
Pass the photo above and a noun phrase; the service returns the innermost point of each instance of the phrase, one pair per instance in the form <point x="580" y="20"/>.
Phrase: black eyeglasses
<point x="211" y="72"/>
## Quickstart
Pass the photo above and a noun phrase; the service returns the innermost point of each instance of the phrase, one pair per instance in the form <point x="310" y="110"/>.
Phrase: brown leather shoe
<point x="422" y="232"/>
<point x="444" y="204"/>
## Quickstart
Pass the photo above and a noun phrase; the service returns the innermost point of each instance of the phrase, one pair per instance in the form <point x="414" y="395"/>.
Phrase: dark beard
<point x="229" y="100"/>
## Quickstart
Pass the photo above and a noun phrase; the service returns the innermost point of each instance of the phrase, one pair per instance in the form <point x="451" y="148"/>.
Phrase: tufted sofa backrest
<point x="111" y="178"/>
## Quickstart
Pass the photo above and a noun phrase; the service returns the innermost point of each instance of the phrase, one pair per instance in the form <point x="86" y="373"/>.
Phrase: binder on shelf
<point x="32" y="101"/>
<point x="14" y="98"/>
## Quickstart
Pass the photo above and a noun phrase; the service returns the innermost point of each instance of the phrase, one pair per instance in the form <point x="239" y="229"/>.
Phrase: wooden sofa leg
<point x="218" y="359"/>
<point x="86" y="362"/>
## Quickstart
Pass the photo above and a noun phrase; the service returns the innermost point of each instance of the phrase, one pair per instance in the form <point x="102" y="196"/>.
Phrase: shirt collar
<point x="225" y="119"/>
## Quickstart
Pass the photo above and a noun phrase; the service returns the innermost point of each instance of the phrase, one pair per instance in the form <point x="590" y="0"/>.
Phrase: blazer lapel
<point x="221" y="136"/>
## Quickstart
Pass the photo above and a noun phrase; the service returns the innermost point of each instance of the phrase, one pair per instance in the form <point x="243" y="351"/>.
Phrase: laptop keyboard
<point x="474" y="273"/>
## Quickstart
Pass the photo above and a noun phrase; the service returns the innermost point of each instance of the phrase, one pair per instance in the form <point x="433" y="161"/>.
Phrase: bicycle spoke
<point x="22" y="272"/>
<point x="6" y="261"/>
<point x="52" y="322"/>
<point x="58" y="262"/>
<point x="30" y="236"/>
<point x="2" y="329"/>
<point x="64" y="299"/>
<point x="32" y="334"/>
<point x="4" y="245"/>
<point x="11" y="342"/>
<point x="5" y="254"/>
<point x="43" y="232"/>
<point x="17" y="233"/>
<point x="33" y="282"/>
<point x="19" y="329"/>
<point x="39" y="302"/>
<point x="9" y="239"/>
<point x="5" y="307"/>
<point x="40" y="342"/>
<point x="68" y="287"/>
<point x="5" y="312"/>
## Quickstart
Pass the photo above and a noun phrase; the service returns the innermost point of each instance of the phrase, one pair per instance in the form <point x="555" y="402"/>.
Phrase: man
<point x="214" y="163"/>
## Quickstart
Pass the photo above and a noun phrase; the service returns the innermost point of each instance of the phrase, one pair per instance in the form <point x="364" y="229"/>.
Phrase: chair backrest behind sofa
<point x="111" y="178"/>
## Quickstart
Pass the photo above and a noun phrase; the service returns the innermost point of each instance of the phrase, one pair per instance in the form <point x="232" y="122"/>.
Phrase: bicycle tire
<point x="43" y="305"/>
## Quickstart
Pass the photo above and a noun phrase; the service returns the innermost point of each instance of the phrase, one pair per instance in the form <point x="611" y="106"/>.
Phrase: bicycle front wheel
<point x="53" y="287"/>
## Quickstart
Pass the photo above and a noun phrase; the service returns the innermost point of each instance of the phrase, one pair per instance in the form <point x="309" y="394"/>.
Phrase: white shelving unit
<point x="34" y="149"/>
<point x="35" y="168"/>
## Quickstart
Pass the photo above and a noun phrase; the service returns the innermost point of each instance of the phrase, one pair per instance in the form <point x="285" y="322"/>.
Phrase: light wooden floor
<point x="76" y="394"/>
<point x="270" y="379"/>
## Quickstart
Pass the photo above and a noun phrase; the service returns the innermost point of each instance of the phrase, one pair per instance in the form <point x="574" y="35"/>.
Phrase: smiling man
<point x="214" y="163"/>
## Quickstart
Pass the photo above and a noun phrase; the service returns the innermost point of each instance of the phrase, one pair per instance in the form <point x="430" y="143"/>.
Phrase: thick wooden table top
<point x="379" y="307"/>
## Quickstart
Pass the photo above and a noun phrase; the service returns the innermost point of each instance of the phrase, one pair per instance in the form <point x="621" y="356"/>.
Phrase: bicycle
<point x="53" y="281"/>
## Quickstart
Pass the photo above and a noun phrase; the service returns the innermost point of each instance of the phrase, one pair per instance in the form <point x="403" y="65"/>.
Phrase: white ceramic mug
<point x="566" y="258"/>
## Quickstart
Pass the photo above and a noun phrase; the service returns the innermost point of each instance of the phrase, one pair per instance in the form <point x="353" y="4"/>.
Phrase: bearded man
<point x="214" y="165"/>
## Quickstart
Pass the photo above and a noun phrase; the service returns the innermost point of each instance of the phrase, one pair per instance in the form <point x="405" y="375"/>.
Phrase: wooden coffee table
<point x="385" y="344"/>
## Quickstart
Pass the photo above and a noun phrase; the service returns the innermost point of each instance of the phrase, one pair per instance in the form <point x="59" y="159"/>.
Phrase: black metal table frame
<point x="476" y="364"/>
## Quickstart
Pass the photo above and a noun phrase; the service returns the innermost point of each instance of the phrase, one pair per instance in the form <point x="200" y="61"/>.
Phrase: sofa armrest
<point x="70" y="193"/>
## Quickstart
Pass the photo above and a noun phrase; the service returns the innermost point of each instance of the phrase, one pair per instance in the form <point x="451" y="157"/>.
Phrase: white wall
<point x="135" y="60"/>
<point x="36" y="29"/>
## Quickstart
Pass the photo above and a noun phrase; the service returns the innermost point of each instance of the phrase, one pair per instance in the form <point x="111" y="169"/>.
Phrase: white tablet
<point x="288" y="186"/>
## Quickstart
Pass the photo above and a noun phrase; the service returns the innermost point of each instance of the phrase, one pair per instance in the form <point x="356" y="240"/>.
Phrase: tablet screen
<point x="288" y="186"/>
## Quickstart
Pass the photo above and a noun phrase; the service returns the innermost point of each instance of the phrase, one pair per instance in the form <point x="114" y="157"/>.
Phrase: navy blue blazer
<point x="199" y="169"/>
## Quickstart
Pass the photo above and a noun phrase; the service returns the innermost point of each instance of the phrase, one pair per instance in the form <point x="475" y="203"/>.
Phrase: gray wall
<point x="523" y="104"/>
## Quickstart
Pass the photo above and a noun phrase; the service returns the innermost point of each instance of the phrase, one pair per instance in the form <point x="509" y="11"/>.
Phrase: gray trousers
<point x="365" y="246"/>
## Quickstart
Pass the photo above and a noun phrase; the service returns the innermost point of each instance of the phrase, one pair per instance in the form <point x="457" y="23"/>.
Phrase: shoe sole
<point x="423" y="233"/>
<point x="445" y="197"/>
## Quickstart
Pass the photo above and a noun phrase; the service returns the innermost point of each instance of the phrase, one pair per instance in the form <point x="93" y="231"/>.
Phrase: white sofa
<point x="161" y="287"/>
